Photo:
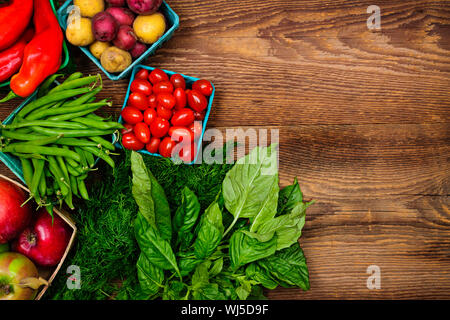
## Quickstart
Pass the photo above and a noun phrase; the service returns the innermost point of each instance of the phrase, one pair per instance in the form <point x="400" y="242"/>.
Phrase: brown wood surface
<point x="364" y="120"/>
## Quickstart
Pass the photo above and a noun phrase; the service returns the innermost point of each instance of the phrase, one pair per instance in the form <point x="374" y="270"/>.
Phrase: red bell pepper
<point x="14" y="19"/>
<point x="42" y="56"/>
<point x="11" y="59"/>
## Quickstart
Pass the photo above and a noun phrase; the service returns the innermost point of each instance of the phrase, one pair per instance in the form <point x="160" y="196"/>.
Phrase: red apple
<point x="19" y="279"/>
<point x="13" y="217"/>
<point x="44" y="242"/>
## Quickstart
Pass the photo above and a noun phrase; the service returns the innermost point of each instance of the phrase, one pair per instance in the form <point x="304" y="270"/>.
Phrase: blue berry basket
<point x="172" y="20"/>
<point x="189" y="81"/>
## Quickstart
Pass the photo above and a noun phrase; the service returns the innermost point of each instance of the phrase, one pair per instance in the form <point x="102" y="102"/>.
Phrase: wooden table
<point x="364" y="120"/>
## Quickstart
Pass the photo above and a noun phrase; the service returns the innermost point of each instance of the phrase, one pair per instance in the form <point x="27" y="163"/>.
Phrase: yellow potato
<point x="79" y="32"/>
<point x="114" y="59"/>
<point x="89" y="8"/>
<point x="150" y="28"/>
<point x="98" y="47"/>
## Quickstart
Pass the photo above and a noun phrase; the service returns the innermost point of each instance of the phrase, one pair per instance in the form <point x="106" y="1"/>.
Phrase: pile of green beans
<point x="58" y="138"/>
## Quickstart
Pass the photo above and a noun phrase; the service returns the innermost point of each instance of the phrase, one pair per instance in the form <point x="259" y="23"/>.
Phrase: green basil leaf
<point x="260" y="275"/>
<point x="200" y="278"/>
<point x="210" y="232"/>
<point x="188" y="264"/>
<point x="288" y="266"/>
<point x="250" y="189"/>
<point x="185" y="217"/>
<point x="150" y="197"/>
<point x="208" y="292"/>
<point x="157" y="250"/>
<point x="150" y="277"/>
<point x="289" y="197"/>
<point x="244" y="249"/>
<point x="175" y="290"/>
<point x="216" y="267"/>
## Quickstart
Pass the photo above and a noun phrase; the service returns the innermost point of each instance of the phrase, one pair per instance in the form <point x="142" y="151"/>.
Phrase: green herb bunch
<point x="245" y="240"/>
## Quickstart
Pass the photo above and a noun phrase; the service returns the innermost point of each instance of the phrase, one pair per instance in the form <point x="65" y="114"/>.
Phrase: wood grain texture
<point x="363" y="119"/>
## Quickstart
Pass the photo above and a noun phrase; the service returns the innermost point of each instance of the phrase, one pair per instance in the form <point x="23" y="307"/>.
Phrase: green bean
<point x="16" y="135"/>
<point x="101" y="154"/>
<point x="74" y="171"/>
<point x="43" y="184"/>
<point x="35" y="114"/>
<point x="28" y="156"/>
<point x="89" y="158"/>
<point x="74" y="185"/>
<point x="63" y="167"/>
<point x="27" y="170"/>
<point x="71" y="162"/>
<point x="45" y="123"/>
<point x="78" y="142"/>
<point x="50" y="98"/>
<point x="106" y="144"/>
<point x="82" y="189"/>
<point x="83" y="161"/>
<point x="69" y="116"/>
<point x="72" y="133"/>
<point x="59" y="177"/>
<point x="75" y="83"/>
<point x="45" y="141"/>
<point x="98" y="124"/>
<point x="65" y="110"/>
<point x="73" y="76"/>
<point x="93" y="116"/>
<point x="38" y="171"/>
<point x="83" y="99"/>
<point x="43" y="90"/>
<point x="49" y="151"/>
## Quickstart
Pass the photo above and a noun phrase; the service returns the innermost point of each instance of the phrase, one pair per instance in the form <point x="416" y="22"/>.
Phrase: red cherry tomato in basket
<point x="166" y="146"/>
<point x="197" y="129"/>
<point x="153" y="145"/>
<point x="138" y="100"/>
<point x="149" y="116"/>
<point x="164" y="112"/>
<point x="142" y="132"/>
<point x="142" y="74"/>
<point x="152" y="103"/>
<point x="130" y="142"/>
<point x="128" y="128"/>
<point x="158" y="75"/>
<point x="178" y="81"/>
<point x="159" y="127"/>
<point x="141" y="86"/>
<point x="204" y="87"/>
<point x="196" y="100"/>
<point x="200" y="116"/>
<point x="166" y="100"/>
<point x="163" y="87"/>
<point x="181" y="134"/>
<point x="132" y="115"/>
<point x="180" y="98"/>
<point x="183" y="117"/>
<point x="187" y="152"/>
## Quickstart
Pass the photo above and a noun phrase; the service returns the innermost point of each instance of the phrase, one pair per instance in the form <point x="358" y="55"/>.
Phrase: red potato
<point x="138" y="50"/>
<point x="117" y="3"/>
<point x="125" y="39"/>
<point x="104" y="26"/>
<point x="144" y="7"/>
<point x="123" y="16"/>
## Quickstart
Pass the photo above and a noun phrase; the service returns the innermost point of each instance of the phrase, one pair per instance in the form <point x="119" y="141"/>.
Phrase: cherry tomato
<point x="163" y="87"/>
<point x="153" y="145"/>
<point x="142" y="74"/>
<point x="187" y="152"/>
<point x="178" y="81"/>
<point x="200" y="116"/>
<point x="128" y="128"/>
<point x="142" y="132"/>
<point x="149" y="116"/>
<point x="196" y="100"/>
<point x="152" y="103"/>
<point x="141" y="86"/>
<point x="157" y="75"/>
<point x="166" y="100"/>
<point x="197" y="129"/>
<point x="138" y="100"/>
<point x="180" y="97"/>
<point x="166" y="146"/>
<point x="204" y="87"/>
<point x="164" y="112"/>
<point x="130" y="142"/>
<point x="181" y="134"/>
<point x="159" y="127"/>
<point x="132" y="115"/>
<point x="183" y="117"/>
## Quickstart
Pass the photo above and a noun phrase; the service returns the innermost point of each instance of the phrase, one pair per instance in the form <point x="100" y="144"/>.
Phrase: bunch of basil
<point x="245" y="240"/>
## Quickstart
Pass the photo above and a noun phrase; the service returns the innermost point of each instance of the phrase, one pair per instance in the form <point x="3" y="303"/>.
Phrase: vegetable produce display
<point x="116" y="32"/>
<point x="35" y="59"/>
<point x="57" y="138"/>
<point x="161" y="114"/>
<point x="35" y="240"/>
